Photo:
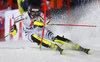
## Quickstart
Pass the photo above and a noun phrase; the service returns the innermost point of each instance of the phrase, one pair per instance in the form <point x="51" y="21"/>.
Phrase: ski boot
<point x="56" y="47"/>
<point x="79" y="48"/>
<point x="86" y="51"/>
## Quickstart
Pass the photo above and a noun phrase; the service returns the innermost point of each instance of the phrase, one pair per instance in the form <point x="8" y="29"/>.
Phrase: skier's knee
<point x="37" y="39"/>
<point x="56" y="47"/>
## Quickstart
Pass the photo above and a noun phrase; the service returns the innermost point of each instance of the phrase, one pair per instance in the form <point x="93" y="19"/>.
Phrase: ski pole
<point x="5" y="37"/>
<point x="73" y="25"/>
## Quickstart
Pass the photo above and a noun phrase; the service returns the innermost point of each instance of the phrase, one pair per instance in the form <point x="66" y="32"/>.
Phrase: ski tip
<point x="89" y="53"/>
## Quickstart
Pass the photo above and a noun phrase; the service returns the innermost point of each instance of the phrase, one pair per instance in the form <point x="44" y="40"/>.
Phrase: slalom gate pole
<point x="73" y="25"/>
<point x="43" y="25"/>
<point x="4" y="37"/>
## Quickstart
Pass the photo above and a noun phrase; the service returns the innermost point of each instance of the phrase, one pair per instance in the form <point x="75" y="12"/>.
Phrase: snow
<point x="25" y="51"/>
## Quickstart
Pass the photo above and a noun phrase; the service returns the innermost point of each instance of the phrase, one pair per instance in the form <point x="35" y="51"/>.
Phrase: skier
<point x="33" y="26"/>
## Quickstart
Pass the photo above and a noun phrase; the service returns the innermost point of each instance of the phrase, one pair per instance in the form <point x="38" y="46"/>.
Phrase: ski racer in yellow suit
<point x="33" y="25"/>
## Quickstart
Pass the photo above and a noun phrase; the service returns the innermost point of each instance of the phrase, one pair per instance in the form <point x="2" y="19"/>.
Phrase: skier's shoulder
<point x="21" y="17"/>
<point x="41" y="15"/>
<point x="25" y="14"/>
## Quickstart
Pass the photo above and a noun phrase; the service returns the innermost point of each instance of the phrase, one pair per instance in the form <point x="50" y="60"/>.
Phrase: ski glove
<point x="38" y="23"/>
<point x="13" y="30"/>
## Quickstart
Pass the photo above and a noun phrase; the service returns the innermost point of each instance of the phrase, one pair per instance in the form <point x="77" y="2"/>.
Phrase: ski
<point x="87" y="51"/>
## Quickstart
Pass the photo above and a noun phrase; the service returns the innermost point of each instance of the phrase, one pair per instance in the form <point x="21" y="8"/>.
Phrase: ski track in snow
<point x="25" y="51"/>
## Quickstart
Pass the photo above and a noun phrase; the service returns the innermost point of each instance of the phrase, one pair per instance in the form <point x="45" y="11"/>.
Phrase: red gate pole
<point x="44" y="24"/>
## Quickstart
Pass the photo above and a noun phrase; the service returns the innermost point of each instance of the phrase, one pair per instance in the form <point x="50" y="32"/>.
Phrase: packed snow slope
<point x="88" y="37"/>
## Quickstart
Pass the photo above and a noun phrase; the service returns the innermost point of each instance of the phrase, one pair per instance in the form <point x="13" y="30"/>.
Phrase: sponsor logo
<point x="35" y="9"/>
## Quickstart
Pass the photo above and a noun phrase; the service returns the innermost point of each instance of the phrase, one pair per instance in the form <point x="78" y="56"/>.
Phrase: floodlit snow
<point x="88" y="37"/>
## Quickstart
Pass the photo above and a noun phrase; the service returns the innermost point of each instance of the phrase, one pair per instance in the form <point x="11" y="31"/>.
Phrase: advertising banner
<point x="9" y="22"/>
<point x="2" y="24"/>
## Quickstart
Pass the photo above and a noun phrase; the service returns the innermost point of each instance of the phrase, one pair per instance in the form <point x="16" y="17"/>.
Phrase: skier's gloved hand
<point x="13" y="30"/>
<point x="38" y="23"/>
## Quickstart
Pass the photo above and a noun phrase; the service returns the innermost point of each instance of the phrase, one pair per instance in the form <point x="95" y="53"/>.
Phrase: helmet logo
<point x="35" y="9"/>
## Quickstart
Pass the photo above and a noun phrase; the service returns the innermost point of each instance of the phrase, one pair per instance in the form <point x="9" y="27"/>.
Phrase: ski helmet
<point x="33" y="9"/>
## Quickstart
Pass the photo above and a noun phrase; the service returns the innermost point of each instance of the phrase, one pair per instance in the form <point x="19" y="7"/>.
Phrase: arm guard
<point x="38" y="23"/>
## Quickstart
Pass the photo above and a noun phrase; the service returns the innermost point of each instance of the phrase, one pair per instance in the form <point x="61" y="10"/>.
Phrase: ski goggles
<point x="34" y="13"/>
